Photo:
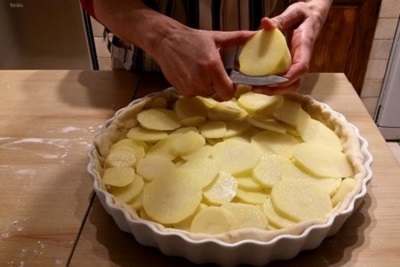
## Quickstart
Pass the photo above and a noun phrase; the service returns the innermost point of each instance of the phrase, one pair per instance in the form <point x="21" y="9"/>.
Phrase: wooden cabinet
<point x="346" y="38"/>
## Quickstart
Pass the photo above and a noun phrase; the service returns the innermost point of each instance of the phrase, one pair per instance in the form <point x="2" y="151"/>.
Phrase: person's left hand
<point x="302" y="23"/>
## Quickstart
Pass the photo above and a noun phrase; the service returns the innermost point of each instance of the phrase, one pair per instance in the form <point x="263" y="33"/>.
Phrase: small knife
<point x="240" y="78"/>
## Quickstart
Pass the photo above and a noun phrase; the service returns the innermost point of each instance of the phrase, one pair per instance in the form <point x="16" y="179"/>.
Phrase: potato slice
<point x="136" y="147"/>
<point x="313" y="131"/>
<point x="270" y="168"/>
<point x="171" y="199"/>
<point x="225" y="112"/>
<point x="190" y="107"/>
<point x="291" y="112"/>
<point x="187" y="223"/>
<point x="140" y="134"/>
<point x="159" y="119"/>
<point x="255" y="103"/>
<point x="137" y="202"/>
<point x="121" y="158"/>
<point x="201" y="170"/>
<point x="329" y="185"/>
<point x="300" y="200"/>
<point x="127" y="194"/>
<point x="247" y="183"/>
<point x="246" y="216"/>
<point x="187" y="143"/>
<point x="265" y="53"/>
<point x="251" y="197"/>
<point x="322" y="161"/>
<point x="213" y="129"/>
<point x="194" y="121"/>
<point x="235" y="157"/>
<point x="212" y="220"/>
<point x="235" y="128"/>
<point x="118" y="177"/>
<point x="345" y="187"/>
<point x="222" y="189"/>
<point x="153" y="167"/>
<point x="203" y="152"/>
<point x="266" y="124"/>
<point x="163" y="147"/>
<point x="273" y="217"/>
<point x="276" y="142"/>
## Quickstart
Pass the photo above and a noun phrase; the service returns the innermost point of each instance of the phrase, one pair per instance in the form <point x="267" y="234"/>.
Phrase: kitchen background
<point x="19" y="36"/>
<point x="377" y="64"/>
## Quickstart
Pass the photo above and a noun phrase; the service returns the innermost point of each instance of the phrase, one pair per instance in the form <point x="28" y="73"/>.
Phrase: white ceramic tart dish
<point x="244" y="246"/>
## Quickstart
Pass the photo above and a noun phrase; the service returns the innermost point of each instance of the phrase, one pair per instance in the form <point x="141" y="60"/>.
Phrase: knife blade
<point x="240" y="78"/>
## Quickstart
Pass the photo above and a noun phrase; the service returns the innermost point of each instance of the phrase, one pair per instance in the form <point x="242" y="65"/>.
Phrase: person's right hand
<point x="191" y="61"/>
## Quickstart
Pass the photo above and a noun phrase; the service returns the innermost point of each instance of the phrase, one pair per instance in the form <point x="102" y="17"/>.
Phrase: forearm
<point x="134" y="22"/>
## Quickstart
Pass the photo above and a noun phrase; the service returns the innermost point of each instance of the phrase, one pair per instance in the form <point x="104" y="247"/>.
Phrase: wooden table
<point x="50" y="217"/>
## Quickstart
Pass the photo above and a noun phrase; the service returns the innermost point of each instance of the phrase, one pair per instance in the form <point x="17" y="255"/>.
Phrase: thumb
<point x="231" y="38"/>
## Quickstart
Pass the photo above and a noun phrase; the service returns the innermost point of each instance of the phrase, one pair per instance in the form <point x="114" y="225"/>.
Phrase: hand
<point x="302" y="22"/>
<point x="190" y="60"/>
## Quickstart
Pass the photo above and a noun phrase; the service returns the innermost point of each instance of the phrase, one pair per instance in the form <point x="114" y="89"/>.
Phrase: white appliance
<point x="45" y="34"/>
<point x="387" y="116"/>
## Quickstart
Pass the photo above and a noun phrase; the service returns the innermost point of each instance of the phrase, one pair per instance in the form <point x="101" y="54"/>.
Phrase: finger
<point x="222" y="84"/>
<point x="232" y="38"/>
<point x="291" y="17"/>
<point x="268" y="24"/>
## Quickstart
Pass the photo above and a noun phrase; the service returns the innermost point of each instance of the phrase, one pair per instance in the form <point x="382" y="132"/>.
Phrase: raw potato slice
<point x="141" y="134"/>
<point x="242" y="89"/>
<point x="187" y="143"/>
<point x="120" y="158"/>
<point x="171" y="199"/>
<point x="246" y="216"/>
<point x="136" y="147"/>
<point x="278" y="143"/>
<point x="137" y="203"/>
<point x="266" y="124"/>
<point x="329" y="185"/>
<point x="300" y="200"/>
<point x="127" y="194"/>
<point x="248" y="184"/>
<point x="255" y="103"/>
<point x="194" y="121"/>
<point x="265" y="53"/>
<point x="203" y="152"/>
<point x="250" y="197"/>
<point x="291" y="112"/>
<point x="184" y="130"/>
<point x="163" y="147"/>
<point x="322" y="161"/>
<point x="346" y="186"/>
<point x="222" y="189"/>
<point x="313" y="131"/>
<point x="118" y="177"/>
<point x="159" y="119"/>
<point x="270" y="168"/>
<point x="273" y="217"/>
<point x="213" y="129"/>
<point x="235" y="157"/>
<point x="154" y="167"/>
<point x="201" y="170"/>
<point x="212" y="220"/>
<point x="235" y="128"/>
<point x="186" y="223"/>
<point x="221" y="112"/>
<point x="190" y="107"/>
